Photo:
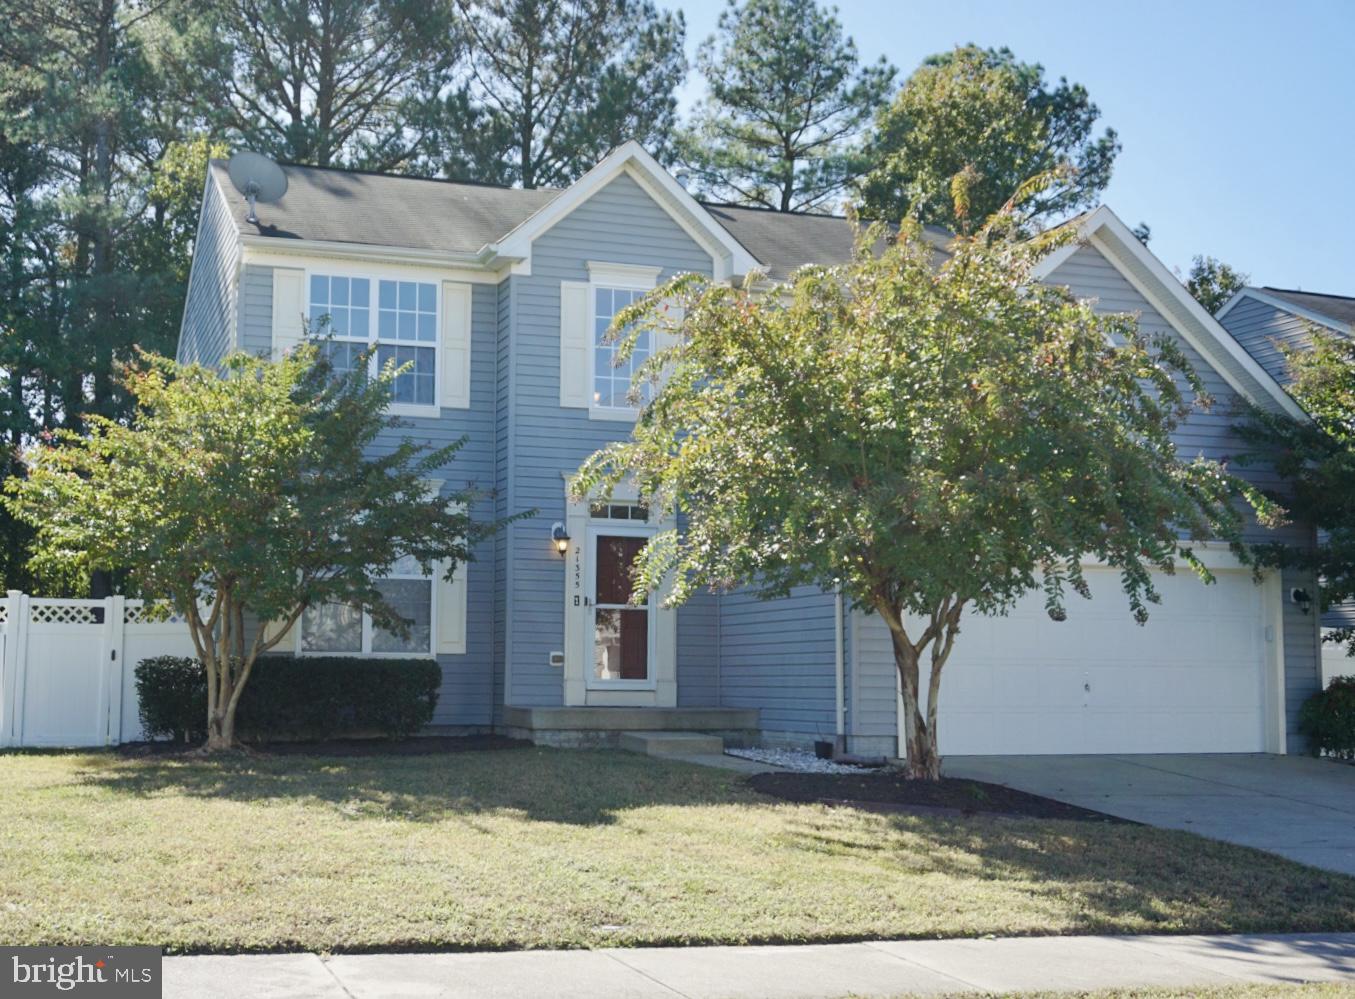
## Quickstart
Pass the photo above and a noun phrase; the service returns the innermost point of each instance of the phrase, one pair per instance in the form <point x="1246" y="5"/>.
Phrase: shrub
<point x="290" y="697"/>
<point x="1328" y="719"/>
<point x="173" y="697"/>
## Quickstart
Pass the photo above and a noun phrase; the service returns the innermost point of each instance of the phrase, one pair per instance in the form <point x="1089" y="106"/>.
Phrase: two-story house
<point x="497" y="298"/>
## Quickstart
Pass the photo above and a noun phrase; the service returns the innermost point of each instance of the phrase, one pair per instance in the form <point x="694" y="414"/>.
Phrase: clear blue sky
<point x="1237" y="118"/>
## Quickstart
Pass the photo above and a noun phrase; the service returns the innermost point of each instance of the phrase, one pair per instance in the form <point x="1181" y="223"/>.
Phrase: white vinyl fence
<point x="67" y="668"/>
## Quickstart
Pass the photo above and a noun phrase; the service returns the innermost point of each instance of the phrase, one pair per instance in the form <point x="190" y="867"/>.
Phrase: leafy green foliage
<point x="1315" y="458"/>
<point x="933" y="434"/>
<point x="787" y="100"/>
<point x="321" y="82"/>
<point x="1328" y="719"/>
<point x="316" y="697"/>
<point x="253" y="489"/>
<point x="552" y="85"/>
<point x="981" y="113"/>
<point x="94" y="235"/>
<point x="1211" y="282"/>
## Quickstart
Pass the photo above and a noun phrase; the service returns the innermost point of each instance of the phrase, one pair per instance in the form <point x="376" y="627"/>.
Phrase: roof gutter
<point x="370" y="251"/>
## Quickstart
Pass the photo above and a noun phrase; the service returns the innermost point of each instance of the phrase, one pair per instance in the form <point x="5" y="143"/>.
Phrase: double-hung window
<point x="612" y="382"/>
<point x="397" y="318"/>
<point x="338" y="629"/>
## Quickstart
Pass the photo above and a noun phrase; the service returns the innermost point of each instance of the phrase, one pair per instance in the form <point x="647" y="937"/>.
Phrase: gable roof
<point x="1103" y="229"/>
<point x="460" y="220"/>
<point x="1338" y="307"/>
<point x="1336" y="312"/>
<point x="630" y="159"/>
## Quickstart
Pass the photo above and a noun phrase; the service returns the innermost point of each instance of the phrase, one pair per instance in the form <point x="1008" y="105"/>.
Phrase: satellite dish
<point x="258" y="178"/>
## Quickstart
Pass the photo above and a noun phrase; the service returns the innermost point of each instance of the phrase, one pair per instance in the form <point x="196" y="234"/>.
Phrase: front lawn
<point x="542" y="848"/>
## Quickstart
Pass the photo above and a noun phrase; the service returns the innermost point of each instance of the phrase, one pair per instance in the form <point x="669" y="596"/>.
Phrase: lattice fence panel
<point x="154" y="614"/>
<point x="65" y="613"/>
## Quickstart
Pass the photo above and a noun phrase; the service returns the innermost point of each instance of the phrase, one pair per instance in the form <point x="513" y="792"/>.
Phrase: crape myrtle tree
<point x="934" y="438"/>
<point x="245" y="495"/>
<point x="1316" y="460"/>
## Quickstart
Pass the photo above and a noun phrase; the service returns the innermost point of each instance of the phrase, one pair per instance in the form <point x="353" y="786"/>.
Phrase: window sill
<point x="408" y="409"/>
<point x="304" y="654"/>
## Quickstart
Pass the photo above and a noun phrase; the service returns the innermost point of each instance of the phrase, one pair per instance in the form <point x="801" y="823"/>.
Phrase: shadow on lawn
<point x="578" y="787"/>
<point x="1120" y="877"/>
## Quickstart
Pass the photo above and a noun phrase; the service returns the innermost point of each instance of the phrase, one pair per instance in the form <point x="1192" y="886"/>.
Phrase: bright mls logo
<point x="106" y="972"/>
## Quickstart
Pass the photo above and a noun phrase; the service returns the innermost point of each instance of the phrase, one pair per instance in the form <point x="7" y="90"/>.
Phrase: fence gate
<point x="67" y="668"/>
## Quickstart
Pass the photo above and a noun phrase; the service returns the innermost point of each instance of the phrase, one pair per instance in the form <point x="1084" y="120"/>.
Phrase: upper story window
<point x="405" y="330"/>
<point x="612" y="383"/>
<point x="407" y="333"/>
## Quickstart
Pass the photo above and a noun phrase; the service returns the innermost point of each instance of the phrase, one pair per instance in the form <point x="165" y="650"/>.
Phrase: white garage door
<point x="1193" y="679"/>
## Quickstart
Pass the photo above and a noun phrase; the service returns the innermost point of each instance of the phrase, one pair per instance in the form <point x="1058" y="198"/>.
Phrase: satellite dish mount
<point x="258" y="178"/>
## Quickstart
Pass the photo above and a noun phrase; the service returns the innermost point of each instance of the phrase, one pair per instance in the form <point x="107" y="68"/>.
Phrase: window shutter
<point x="289" y="305"/>
<point x="451" y="610"/>
<point x="456" y="333"/>
<point x="575" y="346"/>
<point x="287" y="642"/>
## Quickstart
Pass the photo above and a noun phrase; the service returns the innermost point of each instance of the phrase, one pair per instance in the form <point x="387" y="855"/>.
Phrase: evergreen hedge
<point x="289" y="697"/>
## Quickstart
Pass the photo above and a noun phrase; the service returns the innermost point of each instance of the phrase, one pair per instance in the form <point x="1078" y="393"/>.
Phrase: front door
<point x="623" y="633"/>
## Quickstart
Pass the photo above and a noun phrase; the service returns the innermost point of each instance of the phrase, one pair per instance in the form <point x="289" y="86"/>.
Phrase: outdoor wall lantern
<point x="560" y="537"/>
<point x="1302" y="599"/>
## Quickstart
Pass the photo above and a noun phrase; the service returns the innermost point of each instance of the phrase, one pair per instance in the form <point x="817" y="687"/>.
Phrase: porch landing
<point x="602" y="727"/>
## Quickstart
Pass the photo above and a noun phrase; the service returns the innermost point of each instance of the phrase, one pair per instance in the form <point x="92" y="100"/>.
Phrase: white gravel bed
<point x="793" y="759"/>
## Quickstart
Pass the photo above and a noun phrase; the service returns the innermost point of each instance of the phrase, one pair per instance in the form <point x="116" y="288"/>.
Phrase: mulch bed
<point x="890" y="791"/>
<point x="417" y="746"/>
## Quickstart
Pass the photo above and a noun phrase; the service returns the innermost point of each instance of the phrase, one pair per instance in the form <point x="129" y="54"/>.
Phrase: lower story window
<point x="340" y="629"/>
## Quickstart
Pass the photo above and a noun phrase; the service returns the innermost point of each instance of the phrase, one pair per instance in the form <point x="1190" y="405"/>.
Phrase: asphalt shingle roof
<point x="345" y="206"/>
<point x="1338" y="308"/>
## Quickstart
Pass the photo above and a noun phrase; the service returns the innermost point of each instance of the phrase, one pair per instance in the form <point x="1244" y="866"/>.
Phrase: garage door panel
<point x="1193" y="679"/>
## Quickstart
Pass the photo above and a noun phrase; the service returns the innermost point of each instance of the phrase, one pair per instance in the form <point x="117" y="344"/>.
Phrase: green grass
<point x="542" y="848"/>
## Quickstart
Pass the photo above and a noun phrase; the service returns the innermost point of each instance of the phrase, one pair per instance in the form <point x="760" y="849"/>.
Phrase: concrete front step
<point x="670" y="744"/>
<point x="601" y="727"/>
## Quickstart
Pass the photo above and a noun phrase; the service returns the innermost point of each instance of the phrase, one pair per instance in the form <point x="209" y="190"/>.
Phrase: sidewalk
<point x="886" y="968"/>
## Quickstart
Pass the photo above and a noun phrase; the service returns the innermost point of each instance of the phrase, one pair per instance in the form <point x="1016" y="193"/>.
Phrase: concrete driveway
<point x="1299" y="807"/>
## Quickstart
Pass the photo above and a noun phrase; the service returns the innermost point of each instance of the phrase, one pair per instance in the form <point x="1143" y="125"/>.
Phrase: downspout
<point x="840" y="664"/>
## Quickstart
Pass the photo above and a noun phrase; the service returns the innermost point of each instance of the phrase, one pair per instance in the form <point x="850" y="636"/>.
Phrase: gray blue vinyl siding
<point x="466" y="697"/>
<point x="1261" y="328"/>
<point x="780" y="656"/>
<point x="502" y="451"/>
<point x="209" y="308"/>
<point x="544" y="441"/>
<point x="698" y="652"/>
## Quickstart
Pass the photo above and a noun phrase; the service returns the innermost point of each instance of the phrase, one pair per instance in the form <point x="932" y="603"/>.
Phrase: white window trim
<point x="376" y="275"/>
<point x="367" y="630"/>
<point x="624" y="277"/>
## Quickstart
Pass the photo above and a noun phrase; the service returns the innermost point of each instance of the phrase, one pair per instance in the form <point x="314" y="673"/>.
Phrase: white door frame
<point x="578" y="687"/>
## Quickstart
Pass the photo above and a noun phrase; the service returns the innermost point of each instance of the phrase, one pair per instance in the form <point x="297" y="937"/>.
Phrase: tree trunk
<point x="922" y="756"/>
<point x="922" y="760"/>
